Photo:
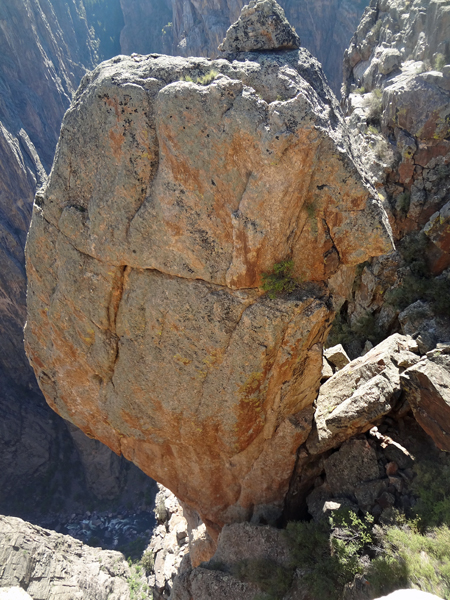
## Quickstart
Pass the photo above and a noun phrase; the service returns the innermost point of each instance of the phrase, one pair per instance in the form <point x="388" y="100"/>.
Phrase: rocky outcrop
<point x="366" y="389"/>
<point x="49" y="565"/>
<point x="168" y="201"/>
<point x="262" y="25"/>
<point x="396" y="97"/>
<point x="192" y="28"/>
<point x="426" y="386"/>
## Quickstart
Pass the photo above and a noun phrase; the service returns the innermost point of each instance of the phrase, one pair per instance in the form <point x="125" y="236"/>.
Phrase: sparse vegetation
<point x="439" y="62"/>
<point x="417" y="282"/>
<point x="202" y="79"/>
<point x="374" y="104"/>
<point x="377" y="28"/>
<point x="280" y="280"/>
<point x="403" y="202"/>
<point x="360" y="90"/>
<point x="273" y="579"/>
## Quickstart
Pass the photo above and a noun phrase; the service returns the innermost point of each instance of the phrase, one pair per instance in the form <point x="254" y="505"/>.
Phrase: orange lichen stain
<point x="182" y="360"/>
<point x="117" y="139"/>
<point x="250" y="416"/>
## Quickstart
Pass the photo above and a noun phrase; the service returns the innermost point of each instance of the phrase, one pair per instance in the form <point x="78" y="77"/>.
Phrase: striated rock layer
<point x="167" y="201"/>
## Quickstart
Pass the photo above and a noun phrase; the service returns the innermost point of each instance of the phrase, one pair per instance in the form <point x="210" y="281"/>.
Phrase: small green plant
<point x="280" y="280"/>
<point x="203" y="79"/>
<point x="137" y="584"/>
<point x="165" y="30"/>
<point x="360" y="90"/>
<point x="148" y="561"/>
<point x="439" y="62"/>
<point x="373" y="130"/>
<point x="374" y="104"/>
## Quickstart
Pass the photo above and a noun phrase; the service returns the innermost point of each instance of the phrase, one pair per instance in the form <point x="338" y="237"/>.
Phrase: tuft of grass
<point x="374" y="104"/>
<point x="203" y="79"/>
<point x="280" y="280"/>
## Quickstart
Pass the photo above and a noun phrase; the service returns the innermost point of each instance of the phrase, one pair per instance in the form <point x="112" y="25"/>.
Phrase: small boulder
<point x="262" y="25"/>
<point x="354" y="463"/>
<point x="337" y="356"/>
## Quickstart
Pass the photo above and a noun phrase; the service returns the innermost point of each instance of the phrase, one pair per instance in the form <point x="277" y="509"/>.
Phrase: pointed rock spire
<point x="262" y="25"/>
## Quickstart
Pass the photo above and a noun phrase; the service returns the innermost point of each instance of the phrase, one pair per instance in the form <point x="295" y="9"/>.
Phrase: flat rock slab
<point x="177" y="183"/>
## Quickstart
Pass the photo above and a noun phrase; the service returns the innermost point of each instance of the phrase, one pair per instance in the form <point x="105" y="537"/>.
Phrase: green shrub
<point x="412" y="560"/>
<point x="280" y="281"/>
<point x="360" y="90"/>
<point x="330" y="554"/>
<point x="432" y="487"/>
<point x="148" y="561"/>
<point x="377" y="28"/>
<point x="374" y="104"/>
<point x="439" y="62"/>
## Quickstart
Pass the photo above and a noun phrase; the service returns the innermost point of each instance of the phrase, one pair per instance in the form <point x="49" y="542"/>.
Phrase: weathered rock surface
<point x="426" y="385"/>
<point x="49" y="565"/>
<point x="262" y="25"/>
<point x="166" y="203"/>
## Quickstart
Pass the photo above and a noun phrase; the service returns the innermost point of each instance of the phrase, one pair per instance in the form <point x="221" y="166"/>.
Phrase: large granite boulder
<point x="177" y="184"/>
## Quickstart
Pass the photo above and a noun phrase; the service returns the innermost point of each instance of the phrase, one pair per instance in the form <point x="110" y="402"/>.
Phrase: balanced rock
<point x="262" y="25"/>
<point x="168" y="200"/>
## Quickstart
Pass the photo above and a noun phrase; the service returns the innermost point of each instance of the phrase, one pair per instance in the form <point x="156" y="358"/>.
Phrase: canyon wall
<point x="46" y="48"/>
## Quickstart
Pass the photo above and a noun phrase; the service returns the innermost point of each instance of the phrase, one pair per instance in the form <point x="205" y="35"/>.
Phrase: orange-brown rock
<point x="167" y="201"/>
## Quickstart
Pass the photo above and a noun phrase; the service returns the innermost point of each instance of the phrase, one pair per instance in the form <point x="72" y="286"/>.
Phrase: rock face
<point x="426" y="385"/>
<point x="193" y="28"/>
<point x="167" y="202"/>
<point x="50" y="565"/>
<point x="261" y="26"/>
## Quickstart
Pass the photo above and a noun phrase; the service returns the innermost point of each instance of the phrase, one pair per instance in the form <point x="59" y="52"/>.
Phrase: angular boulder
<point x="178" y="183"/>
<point x="261" y="26"/>
<point x="360" y="393"/>
<point x="427" y="389"/>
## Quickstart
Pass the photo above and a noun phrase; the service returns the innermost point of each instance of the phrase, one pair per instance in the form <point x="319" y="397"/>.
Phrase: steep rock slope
<point x="46" y="47"/>
<point x="50" y="565"/>
<point x="193" y="28"/>
<point x="167" y="202"/>
<point x="397" y="98"/>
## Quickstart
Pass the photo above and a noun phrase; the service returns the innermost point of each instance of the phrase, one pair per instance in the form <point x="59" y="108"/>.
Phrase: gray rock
<point x="262" y="25"/>
<point x="51" y="565"/>
<point x="353" y="464"/>
<point x="426" y="386"/>
<point x="357" y="395"/>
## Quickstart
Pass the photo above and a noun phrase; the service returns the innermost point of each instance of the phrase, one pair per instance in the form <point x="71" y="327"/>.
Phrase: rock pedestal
<point x="177" y="184"/>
